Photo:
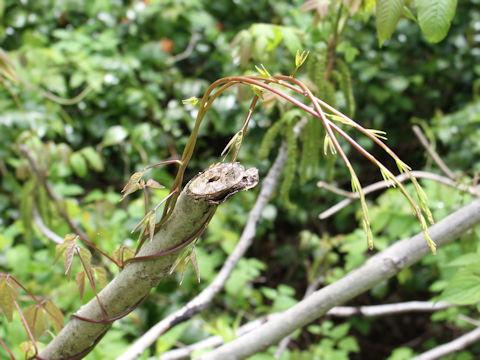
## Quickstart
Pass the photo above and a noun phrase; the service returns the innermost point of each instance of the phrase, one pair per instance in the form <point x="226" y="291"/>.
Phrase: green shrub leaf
<point x="388" y="13"/>
<point x="435" y="17"/>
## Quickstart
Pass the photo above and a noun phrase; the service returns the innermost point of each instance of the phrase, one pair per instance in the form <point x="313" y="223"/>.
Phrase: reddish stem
<point x="7" y="349"/>
<point x="92" y="283"/>
<point x="25" y="325"/>
<point x="8" y="276"/>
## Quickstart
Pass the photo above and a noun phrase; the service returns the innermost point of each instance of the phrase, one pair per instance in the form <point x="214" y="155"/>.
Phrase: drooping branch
<point x="203" y="299"/>
<point x="378" y="268"/>
<point x="194" y="207"/>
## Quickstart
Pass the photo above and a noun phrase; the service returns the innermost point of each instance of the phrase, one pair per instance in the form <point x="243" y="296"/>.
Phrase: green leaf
<point x="36" y="320"/>
<point x="8" y="294"/>
<point x="94" y="159"/>
<point x="464" y="288"/>
<point x="114" y="135"/>
<point x="55" y="315"/>
<point x="78" y="163"/>
<point x="339" y="331"/>
<point x="435" y="17"/>
<point x="388" y="13"/>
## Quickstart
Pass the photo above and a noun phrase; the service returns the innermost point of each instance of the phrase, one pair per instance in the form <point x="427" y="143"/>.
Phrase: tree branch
<point x="340" y="311"/>
<point x="474" y="190"/>
<point x="194" y="207"/>
<point x="378" y="268"/>
<point x="458" y="344"/>
<point x="203" y="299"/>
<point x="49" y="234"/>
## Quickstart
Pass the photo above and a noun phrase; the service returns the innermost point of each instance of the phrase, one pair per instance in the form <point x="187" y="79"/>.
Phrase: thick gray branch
<point x="378" y="268"/>
<point x="194" y="206"/>
<point x="340" y="311"/>
<point x="199" y="302"/>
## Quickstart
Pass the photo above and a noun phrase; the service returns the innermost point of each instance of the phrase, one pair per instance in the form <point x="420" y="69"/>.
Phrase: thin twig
<point x="188" y="50"/>
<point x="474" y="190"/>
<point x="458" y="344"/>
<point x="282" y="346"/>
<point x="438" y="160"/>
<point x="336" y="190"/>
<point x="204" y="298"/>
<point x="469" y="320"/>
<point x="49" y="234"/>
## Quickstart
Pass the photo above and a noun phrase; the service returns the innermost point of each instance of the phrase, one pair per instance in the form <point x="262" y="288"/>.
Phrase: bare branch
<point x="458" y="344"/>
<point x="203" y="299"/>
<point x="336" y="190"/>
<point x="474" y="190"/>
<point x="188" y="50"/>
<point x="382" y="266"/>
<point x="388" y="309"/>
<point x="49" y="234"/>
<point x="438" y="160"/>
<point x="340" y="311"/>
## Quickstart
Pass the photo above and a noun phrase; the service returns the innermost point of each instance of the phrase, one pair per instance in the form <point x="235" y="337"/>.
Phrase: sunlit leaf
<point x="263" y="71"/>
<point x="93" y="157"/>
<point x="154" y="185"/>
<point x="152" y="219"/>
<point x="68" y="256"/>
<point x="434" y="17"/>
<point x="36" y="320"/>
<point x="55" y="315"/>
<point x="79" y="164"/>
<point x="8" y="294"/>
<point x="388" y="12"/>
<point x="86" y="258"/>
<point x="101" y="275"/>
<point x="132" y="184"/>
<point x="191" y="100"/>
<point x="115" y="135"/>
<point x="193" y="260"/>
<point x="27" y="349"/>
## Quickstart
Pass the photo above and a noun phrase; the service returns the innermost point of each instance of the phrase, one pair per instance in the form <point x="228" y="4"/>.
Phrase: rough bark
<point x="195" y="205"/>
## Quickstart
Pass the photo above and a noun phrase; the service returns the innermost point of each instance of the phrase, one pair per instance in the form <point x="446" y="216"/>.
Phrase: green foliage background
<point x="120" y="61"/>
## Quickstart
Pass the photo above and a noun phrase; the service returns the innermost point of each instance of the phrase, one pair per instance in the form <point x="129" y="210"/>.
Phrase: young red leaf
<point x="193" y="260"/>
<point x="132" y="184"/>
<point x="68" y="257"/>
<point x="7" y="297"/>
<point x="153" y="184"/>
<point x="55" y="315"/>
<point x="36" y="320"/>
<point x="101" y="275"/>
<point x="152" y="219"/>
<point x="80" y="280"/>
<point x="86" y="260"/>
